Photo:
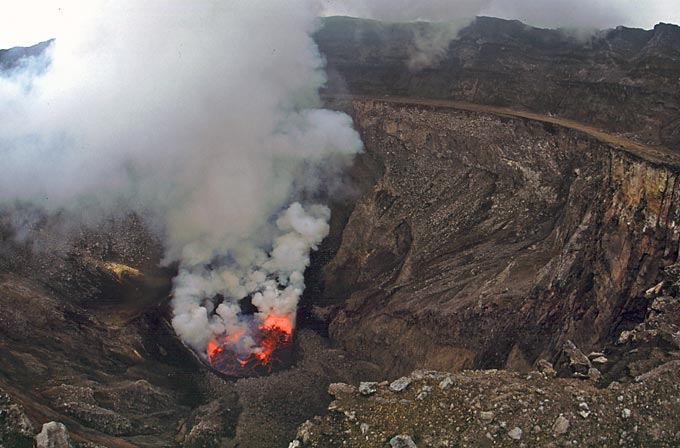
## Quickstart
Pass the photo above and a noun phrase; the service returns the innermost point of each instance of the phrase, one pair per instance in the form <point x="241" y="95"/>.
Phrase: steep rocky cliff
<point x="505" y="408"/>
<point x="488" y="241"/>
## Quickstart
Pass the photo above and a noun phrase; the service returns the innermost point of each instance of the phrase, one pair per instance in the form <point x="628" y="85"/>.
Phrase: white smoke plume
<point x="204" y="115"/>
<point x="429" y="44"/>
<point x="276" y="280"/>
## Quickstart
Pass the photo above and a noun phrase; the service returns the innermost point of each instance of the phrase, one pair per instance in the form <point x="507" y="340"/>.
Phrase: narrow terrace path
<point x="655" y="154"/>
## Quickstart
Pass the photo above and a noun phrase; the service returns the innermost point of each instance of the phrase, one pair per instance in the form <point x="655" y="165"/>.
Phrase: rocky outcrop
<point x="501" y="408"/>
<point x="655" y="340"/>
<point x="16" y="428"/>
<point x="623" y="79"/>
<point x="273" y="406"/>
<point x="53" y="435"/>
<point x="489" y="241"/>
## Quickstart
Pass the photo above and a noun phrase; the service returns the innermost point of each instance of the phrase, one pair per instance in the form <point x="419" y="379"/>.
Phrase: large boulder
<point x="53" y="435"/>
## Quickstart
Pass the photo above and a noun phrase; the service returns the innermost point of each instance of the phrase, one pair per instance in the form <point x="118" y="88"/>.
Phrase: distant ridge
<point x="11" y="58"/>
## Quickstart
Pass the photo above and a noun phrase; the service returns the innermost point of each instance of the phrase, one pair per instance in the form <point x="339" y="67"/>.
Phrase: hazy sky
<point x="27" y="22"/>
<point x="543" y="13"/>
<point x="598" y="13"/>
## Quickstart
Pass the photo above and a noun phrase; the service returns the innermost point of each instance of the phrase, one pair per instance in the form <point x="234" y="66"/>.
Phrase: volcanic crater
<point x="472" y="238"/>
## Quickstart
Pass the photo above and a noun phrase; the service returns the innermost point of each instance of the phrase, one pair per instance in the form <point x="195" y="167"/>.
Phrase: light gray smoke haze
<point x="429" y="44"/>
<point x="542" y="13"/>
<point x="578" y="17"/>
<point x="30" y="21"/>
<point x="203" y="113"/>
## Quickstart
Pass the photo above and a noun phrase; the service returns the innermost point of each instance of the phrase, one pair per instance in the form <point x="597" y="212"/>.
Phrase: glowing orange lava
<point x="284" y="323"/>
<point x="213" y="349"/>
<point x="274" y="349"/>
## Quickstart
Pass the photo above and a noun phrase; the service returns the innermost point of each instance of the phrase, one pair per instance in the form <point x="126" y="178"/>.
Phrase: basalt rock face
<point x="623" y="79"/>
<point x="490" y="241"/>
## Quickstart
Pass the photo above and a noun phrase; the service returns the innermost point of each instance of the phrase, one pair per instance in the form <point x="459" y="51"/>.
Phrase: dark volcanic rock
<point x="116" y="375"/>
<point x="93" y="376"/>
<point x="622" y="79"/>
<point x="16" y="429"/>
<point x="274" y="406"/>
<point x="573" y="361"/>
<point x="489" y="241"/>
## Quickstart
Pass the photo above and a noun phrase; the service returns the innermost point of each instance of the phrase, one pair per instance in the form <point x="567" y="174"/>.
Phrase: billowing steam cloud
<point x="203" y="113"/>
<point x="275" y="279"/>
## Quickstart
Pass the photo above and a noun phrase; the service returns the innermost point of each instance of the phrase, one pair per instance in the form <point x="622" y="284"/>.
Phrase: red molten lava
<point x="274" y="349"/>
<point x="284" y="323"/>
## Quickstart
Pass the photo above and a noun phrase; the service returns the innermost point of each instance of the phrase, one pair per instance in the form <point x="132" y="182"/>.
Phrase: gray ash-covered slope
<point x="487" y="408"/>
<point x="625" y="80"/>
<point x="496" y="408"/>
